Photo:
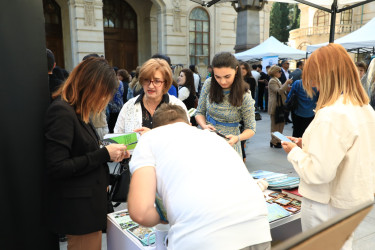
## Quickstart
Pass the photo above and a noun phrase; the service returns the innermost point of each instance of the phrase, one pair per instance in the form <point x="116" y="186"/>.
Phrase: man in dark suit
<point x="285" y="76"/>
<point x="297" y="73"/>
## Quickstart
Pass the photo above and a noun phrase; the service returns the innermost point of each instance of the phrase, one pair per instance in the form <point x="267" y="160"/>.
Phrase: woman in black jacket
<point x="248" y="77"/>
<point x="77" y="174"/>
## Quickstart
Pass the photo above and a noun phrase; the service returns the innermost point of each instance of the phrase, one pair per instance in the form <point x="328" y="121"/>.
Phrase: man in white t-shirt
<point x="212" y="202"/>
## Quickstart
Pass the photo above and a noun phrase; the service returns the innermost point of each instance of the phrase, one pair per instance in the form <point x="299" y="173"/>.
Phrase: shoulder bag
<point x="279" y="112"/>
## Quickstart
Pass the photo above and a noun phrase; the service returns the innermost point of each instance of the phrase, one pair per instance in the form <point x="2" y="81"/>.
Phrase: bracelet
<point x="239" y="139"/>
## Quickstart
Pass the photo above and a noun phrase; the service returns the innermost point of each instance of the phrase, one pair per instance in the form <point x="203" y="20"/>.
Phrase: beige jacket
<point x="275" y="86"/>
<point x="337" y="162"/>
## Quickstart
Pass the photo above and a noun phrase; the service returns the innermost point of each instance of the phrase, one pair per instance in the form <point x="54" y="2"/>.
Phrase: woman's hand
<point x="296" y="140"/>
<point x="117" y="152"/>
<point x="288" y="146"/>
<point x="233" y="139"/>
<point x="208" y="126"/>
<point x="141" y="130"/>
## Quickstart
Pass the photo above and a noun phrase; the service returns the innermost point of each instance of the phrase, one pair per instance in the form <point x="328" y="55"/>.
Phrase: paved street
<point x="261" y="156"/>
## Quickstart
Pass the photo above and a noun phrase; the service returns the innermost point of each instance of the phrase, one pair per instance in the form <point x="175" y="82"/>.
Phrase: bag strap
<point x="122" y="167"/>
<point x="279" y="100"/>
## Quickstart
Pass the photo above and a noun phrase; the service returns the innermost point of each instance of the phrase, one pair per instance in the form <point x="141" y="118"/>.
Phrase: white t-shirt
<point x="183" y="93"/>
<point x="196" y="81"/>
<point x="211" y="200"/>
<point x="256" y="75"/>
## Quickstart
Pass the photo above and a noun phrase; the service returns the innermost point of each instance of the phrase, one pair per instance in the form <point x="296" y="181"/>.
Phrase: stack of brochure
<point x="143" y="234"/>
<point x="276" y="180"/>
<point x="276" y="212"/>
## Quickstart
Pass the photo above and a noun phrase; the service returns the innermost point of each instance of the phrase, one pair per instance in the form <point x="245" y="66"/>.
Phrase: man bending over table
<point x="212" y="202"/>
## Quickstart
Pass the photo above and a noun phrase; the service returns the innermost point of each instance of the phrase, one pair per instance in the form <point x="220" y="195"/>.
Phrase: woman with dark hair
<point x="186" y="89"/>
<point x="124" y="77"/>
<point x="248" y="77"/>
<point x="225" y="101"/>
<point x="77" y="175"/>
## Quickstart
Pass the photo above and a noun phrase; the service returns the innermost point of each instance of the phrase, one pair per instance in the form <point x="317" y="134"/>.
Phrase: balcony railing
<point x="320" y="30"/>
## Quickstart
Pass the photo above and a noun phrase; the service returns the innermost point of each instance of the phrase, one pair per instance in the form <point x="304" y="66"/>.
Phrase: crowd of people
<point x="154" y="100"/>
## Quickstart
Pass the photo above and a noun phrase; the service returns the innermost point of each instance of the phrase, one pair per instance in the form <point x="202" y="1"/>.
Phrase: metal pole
<point x="333" y="21"/>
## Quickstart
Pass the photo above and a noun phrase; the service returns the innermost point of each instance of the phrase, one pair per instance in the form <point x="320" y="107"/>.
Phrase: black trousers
<point x="300" y="124"/>
<point x="261" y="87"/>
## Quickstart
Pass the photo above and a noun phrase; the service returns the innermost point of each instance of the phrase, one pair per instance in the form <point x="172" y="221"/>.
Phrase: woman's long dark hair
<point x="189" y="83"/>
<point x="238" y="88"/>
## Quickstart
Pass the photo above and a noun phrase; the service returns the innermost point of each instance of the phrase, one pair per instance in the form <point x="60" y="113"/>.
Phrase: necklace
<point x="149" y="107"/>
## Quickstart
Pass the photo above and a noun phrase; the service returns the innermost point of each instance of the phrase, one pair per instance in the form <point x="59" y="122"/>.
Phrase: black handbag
<point x="119" y="181"/>
<point x="292" y="104"/>
<point x="279" y="111"/>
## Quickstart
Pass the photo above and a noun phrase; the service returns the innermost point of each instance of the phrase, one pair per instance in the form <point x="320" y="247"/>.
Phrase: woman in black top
<point x="77" y="175"/>
<point x="248" y="77"/>
<point x="186" y="88"/>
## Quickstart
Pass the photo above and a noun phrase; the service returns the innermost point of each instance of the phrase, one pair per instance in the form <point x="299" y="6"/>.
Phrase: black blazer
<point x="283" y="76"/>
<point x="77" y="175"/>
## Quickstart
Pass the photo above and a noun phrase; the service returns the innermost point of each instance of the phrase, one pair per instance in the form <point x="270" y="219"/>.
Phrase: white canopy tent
<point x="271" y="47"/>
<point x="360" y="40"/>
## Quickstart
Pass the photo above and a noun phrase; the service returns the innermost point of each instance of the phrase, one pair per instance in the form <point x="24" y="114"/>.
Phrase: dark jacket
<point x="283" y="77"/>
<point x="54" y="83"/>
<point x="77" y="175"/>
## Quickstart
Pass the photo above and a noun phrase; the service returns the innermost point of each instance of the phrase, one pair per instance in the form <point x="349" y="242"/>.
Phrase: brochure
<point x="276" y="212"/>
<point x="143" y="234"/>
<point x="128" y="139"/>
<point x="269" y="176"/>
<point x="160" y="208"/>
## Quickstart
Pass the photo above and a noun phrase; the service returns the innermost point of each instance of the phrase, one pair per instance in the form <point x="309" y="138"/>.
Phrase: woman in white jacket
<point x="155" y="76"/>
<point x="334" y="158"/>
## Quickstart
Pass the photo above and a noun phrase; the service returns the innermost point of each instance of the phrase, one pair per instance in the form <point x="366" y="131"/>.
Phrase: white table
<point x="285" y="228"/>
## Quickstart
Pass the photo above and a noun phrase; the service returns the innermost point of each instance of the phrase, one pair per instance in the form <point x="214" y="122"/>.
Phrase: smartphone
<point x="280" y="136"/>
<point x="219" y="134"/>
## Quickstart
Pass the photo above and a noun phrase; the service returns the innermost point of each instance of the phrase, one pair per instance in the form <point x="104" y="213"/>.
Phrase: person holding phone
<point x="225" y="101"/>
<point x="275" y="88"/>
<point x="335" y="156"/>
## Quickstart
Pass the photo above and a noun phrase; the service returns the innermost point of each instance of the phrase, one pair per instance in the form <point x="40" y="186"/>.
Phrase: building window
<point x="346" y="16"/>
<point x="321" y="18"/>
<point x="118" y="14"/>
<point x="199" y="36"/>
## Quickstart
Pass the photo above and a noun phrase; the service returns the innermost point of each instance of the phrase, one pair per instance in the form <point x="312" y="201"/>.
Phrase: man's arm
<point x="141" y="197"/>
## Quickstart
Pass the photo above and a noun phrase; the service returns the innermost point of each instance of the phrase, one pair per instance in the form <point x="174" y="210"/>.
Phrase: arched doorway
<point x="120" y="34"/>
<point x="53" y="27"/>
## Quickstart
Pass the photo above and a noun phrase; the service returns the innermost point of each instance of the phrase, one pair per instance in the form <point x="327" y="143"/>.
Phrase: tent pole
<point x="333" y="21"/>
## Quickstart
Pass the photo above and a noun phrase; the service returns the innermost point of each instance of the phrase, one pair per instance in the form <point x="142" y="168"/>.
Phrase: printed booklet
<point x="160" y="208"/>
<point x="122" y="218"/>
<point x="128" y="139"/>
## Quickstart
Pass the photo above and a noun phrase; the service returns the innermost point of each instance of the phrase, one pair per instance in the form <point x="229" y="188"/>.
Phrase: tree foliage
<point x="283" y="18"/>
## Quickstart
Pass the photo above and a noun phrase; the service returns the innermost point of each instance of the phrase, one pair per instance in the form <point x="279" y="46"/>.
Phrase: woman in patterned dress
<point x="225" y="101"/>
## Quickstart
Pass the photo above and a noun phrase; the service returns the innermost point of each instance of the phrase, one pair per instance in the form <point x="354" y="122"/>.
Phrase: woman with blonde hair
<point x="335" y="157"/>
<point x="275" y="89"/>
<point x="77" y="174"/>
<point x="155" y="77"/>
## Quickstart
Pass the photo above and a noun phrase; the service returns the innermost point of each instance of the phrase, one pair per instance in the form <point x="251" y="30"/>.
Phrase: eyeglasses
<point x="156" y="83"/>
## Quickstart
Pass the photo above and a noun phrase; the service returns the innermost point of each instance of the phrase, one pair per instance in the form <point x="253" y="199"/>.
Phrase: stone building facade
<point x="315" y="24"/>
<point x="128" y="32"/>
